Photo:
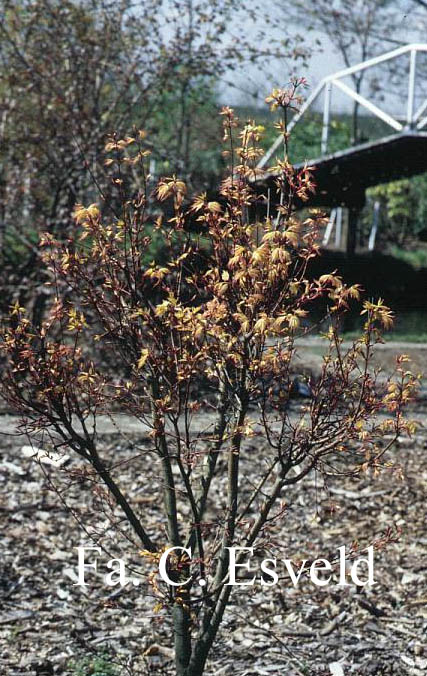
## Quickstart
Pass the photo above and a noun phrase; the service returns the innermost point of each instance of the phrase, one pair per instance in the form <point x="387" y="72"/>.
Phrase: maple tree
<point x="221" y="316"/>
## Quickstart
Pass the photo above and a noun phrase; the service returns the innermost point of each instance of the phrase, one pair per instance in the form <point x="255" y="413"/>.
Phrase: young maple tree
<point x="217" y="322"/>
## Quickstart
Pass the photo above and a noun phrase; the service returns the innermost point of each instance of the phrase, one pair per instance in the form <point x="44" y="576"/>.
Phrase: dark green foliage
<point x="97" y="665"/>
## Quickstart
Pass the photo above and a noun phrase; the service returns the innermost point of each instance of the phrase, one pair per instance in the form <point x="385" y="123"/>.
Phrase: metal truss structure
<point x="416" y="120"/>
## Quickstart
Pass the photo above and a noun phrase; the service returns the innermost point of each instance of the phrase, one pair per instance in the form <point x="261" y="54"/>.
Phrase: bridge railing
<point x="415" y="119"/>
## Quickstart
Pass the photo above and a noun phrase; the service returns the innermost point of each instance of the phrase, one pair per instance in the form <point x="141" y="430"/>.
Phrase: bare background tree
<point x="357" y="29"/>
<point x="71" y="72"/>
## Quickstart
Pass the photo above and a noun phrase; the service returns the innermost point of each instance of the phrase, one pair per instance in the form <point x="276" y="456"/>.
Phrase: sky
<point x="254" y="85"/>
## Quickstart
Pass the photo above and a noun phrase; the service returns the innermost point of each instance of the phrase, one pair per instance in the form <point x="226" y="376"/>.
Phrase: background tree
<point x="404" y="210"/>
<point x="71" y="72"/>
<point x="357" y="29"/>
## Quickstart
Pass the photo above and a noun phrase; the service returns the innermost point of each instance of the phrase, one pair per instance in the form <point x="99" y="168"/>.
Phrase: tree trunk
<point x="355" y="121"/>
<point x="355" y="124"/>
<point x="182" y="638"/>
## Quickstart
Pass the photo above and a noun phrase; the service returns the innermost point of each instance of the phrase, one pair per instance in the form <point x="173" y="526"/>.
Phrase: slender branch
<point x="169" y="493"/>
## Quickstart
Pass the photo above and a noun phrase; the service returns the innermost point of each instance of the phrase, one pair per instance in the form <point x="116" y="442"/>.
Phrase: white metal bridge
<point x="343" y="176"/>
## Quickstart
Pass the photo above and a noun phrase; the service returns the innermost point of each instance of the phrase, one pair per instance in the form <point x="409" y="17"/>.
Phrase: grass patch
<point x="96" y="665"/>
<point x="417" y="258"/>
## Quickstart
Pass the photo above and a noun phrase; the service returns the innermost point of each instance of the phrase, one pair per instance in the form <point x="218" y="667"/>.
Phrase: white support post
<point x="326" y="113"/>
<point x="329" y="227"/>
<point x="411" y="88"/>
<point x="152" y="169"/>
<point x="374" y="229"/>
<point x="338" y="229"/>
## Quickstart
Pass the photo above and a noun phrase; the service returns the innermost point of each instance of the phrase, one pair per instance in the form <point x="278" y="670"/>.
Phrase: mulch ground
<point x="50" y="626"/>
